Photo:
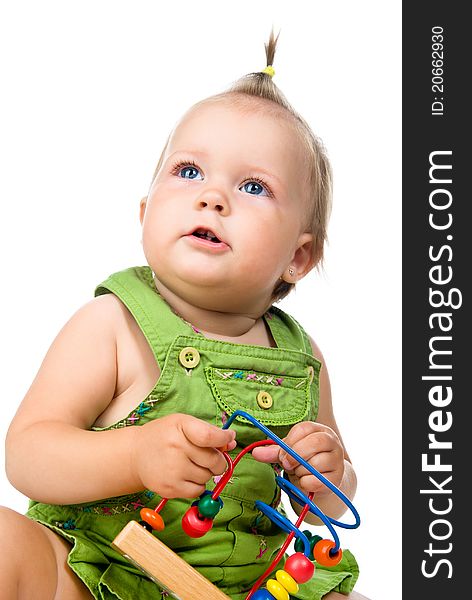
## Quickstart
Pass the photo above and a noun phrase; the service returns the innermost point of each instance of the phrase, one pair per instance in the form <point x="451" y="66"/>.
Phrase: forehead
<point x="229" y="131"/>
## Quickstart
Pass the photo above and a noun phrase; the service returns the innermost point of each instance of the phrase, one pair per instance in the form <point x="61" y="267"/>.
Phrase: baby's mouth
<point x="206" y="234"/>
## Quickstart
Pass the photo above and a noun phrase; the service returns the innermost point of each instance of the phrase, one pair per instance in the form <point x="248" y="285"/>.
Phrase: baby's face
<point x="224" y="216"/>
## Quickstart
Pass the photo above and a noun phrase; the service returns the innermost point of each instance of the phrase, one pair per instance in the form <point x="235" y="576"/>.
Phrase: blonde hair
<point x="260" y="86"/>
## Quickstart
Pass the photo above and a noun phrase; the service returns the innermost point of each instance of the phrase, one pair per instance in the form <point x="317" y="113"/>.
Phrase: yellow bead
<point x="277" y="590"/>
<point x="287" y="581"/>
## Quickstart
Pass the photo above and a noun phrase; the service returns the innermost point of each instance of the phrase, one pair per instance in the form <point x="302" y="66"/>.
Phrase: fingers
<point x="310" y="483"/>
<point x="266" y="454"/>
<point x="205" y="435"/>
<point x="187" y="489"/>
<point x="306" y="439"/>
<point x="323" y="462"/>
<point x="301" y="431"/>
<point x="199" y="475"/>
<point x="310" y="446"/>
<point x="210" y="459"/>
<point x="187" y="480"/>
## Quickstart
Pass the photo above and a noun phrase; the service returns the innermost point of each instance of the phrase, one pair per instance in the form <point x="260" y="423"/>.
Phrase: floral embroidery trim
<point x="133" y="418"/>
<point x="262" y="548"/>
<point x="250" y="376"/>
<point x="217" y="479"/>
<point x="262" y="540"/>
<point x="115" y="509"/>
<point x="68" y="525"/>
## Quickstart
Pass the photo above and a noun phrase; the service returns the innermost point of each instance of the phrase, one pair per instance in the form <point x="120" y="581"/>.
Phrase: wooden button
<point x="189" y="357"/>
<point x="264" y="400"/>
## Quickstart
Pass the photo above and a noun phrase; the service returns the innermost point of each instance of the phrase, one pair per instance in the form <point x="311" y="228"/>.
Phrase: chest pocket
<point x="275" y="400"/>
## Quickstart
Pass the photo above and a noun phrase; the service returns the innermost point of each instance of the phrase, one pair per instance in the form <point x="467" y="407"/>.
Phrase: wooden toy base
<point x="163" y="566"/>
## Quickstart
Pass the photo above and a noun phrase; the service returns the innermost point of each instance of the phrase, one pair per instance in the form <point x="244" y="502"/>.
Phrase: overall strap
<point x="159" y="324"/>
<point x="287" y="331"/>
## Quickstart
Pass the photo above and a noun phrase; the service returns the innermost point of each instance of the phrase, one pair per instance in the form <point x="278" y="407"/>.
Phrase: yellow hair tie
<point x="269" y="70"/>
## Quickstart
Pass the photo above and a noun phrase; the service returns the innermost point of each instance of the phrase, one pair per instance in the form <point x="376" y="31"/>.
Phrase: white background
<point x="90" y="91"/>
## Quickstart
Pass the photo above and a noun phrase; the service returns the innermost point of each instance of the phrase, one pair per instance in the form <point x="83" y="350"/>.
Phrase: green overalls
<point x="209" y="379"/>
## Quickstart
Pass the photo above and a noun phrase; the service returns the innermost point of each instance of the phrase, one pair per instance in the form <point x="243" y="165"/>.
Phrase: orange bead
<point x="322" y="553"/>
<point x="152" y="518"/>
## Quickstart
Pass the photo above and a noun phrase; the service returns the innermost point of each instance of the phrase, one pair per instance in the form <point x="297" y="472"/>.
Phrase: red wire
<point x="281" y="552"/>
<point x="224" y="480"/>
<point x="228" y="473"/>
<point x="219" y="488"/>
<point x="161" y="504"/>
<point x="232" y="464"/>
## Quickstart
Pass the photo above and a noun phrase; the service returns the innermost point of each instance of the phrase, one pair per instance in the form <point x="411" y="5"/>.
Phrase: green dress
<point x="209" y="379"/>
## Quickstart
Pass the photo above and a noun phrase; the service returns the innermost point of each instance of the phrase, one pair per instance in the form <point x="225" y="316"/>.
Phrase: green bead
<point x="299" y="545"/>
<point x="313" y="541"/>
<point x="208" y="507"/>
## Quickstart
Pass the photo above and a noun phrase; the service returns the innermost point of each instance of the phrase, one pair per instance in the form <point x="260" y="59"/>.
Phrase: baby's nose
<point x="213" y="199"/>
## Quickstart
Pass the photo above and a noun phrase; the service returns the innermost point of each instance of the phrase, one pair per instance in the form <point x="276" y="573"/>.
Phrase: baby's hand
<point x="318" y="445"/>
<point x="176" y="455"/>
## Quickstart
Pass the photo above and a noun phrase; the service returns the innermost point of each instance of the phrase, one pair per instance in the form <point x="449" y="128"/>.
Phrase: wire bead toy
<point x="309" y="549"/>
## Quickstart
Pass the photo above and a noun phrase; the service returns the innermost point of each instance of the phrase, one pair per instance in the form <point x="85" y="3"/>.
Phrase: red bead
<point x="299" y="567"/>
<point x="194" y="524"/>
<point x="322" y="553"/>
<point x="152" y="518"/>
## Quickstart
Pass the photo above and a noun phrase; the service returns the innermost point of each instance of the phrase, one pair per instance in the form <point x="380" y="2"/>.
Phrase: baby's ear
<point x="142" y="209"/>
<point x="304" y="259"/>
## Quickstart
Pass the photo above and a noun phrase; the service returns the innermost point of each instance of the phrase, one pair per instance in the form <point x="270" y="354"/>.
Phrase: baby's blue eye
<point x="254" y="188"/>
<point x="189" y="173"/>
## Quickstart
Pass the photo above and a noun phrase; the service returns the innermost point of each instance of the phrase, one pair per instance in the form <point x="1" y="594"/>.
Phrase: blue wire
<point x="284" y="524"/>
<point x="293" y="492"/>
<point x="312" y="470"/>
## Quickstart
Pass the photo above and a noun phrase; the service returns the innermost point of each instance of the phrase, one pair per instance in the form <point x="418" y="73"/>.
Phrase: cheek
<point x="271" y="240"/>
<point x="156" y="217"/>
<point x="153" y="234"/>
<point x="265" y="257"/>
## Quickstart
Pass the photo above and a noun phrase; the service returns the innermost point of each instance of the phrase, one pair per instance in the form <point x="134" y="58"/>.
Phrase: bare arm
<point x="50" y="454"/>
<point x="53" y="457"/>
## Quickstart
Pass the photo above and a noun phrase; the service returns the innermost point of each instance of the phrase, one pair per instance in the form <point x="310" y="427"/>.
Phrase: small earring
<point x="291" y="273"/>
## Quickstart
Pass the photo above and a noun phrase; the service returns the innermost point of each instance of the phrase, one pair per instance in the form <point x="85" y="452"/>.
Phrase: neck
<point x="209" y="321"/>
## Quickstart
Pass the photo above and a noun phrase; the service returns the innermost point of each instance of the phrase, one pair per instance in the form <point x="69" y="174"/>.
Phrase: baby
<point x="128" y="404"/>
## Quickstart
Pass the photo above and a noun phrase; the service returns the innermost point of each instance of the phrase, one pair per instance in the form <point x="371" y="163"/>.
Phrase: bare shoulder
<point x="104" y="318"/>
<point x="76" y="379"/>
<point x="106" y="311"/>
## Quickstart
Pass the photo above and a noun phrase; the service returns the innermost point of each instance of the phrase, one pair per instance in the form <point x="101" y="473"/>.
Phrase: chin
<point x="184" y="283"/>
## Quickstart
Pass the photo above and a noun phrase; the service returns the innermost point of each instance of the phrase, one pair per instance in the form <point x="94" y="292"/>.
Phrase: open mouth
<point x="206" y="234"/>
